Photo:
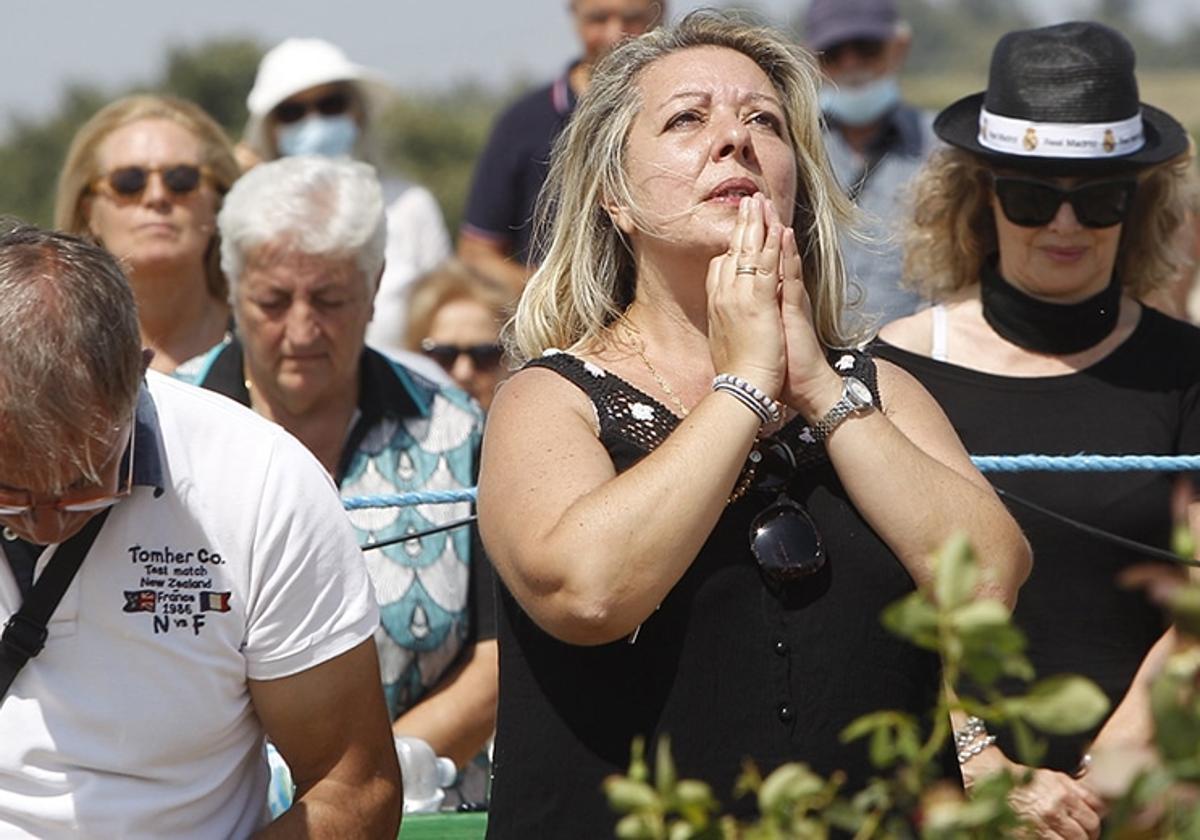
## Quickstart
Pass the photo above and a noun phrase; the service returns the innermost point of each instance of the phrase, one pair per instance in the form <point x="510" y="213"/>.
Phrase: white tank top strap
<point x="939" y="348"/>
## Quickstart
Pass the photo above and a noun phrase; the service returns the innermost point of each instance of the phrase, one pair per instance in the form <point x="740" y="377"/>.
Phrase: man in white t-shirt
<point x="222" y="601"/>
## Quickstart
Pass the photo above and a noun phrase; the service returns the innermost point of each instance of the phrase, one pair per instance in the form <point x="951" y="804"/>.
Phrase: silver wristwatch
<point x="856" y="398"/>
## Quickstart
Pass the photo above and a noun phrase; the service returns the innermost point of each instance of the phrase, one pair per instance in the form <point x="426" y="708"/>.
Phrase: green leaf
<point x="1063" y="705"/>
<point x="664" y="767"/>
<point x="786" y="785"/>
<point x="626" y="795"/>
<point x="1029" y="749"/>
<point x="1183" y="541"/>
<point x="638" y="771"/>
<point x="980" y="617"/>
<point x="1184" y="606"/>
<point x="639" y="827"/>
<point x="913" y="618"/>
<point x="955" y="572"/>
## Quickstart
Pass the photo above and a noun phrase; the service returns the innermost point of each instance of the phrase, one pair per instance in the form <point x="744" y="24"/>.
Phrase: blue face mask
<point x="862" y="104"/>
<point x="318" y="135"/>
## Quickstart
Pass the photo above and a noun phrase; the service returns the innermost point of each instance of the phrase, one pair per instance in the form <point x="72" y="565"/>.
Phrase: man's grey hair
<point x="316" y="206"/>
<point x="71" y="350"/>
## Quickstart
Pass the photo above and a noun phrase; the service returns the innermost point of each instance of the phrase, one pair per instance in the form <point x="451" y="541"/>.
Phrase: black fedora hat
<point x="1062" y="99"/>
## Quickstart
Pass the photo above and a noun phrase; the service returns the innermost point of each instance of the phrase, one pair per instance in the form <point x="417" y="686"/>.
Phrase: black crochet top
<point x="728" y="667"/>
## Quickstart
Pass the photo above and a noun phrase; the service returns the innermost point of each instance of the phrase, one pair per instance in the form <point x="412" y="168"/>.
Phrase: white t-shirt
<point x="135" y="721"/>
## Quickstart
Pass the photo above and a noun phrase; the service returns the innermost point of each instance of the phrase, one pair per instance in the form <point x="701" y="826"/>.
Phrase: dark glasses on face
<point x="330" y="105"/>
<point x="784" y="538"/>
<point x="483" y="356"/>
<point x="129" y="181"/>
<point x="1032" y="203"/>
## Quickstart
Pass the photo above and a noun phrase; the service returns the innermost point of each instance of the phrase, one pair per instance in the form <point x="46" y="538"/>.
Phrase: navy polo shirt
<point x="514" y="164"/>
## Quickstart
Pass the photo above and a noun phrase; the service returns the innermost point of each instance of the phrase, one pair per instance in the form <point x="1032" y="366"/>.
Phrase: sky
<point x="421" y="44"/>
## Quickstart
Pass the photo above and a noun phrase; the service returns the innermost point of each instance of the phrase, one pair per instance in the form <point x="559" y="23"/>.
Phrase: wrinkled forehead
<point x="285" y="261"/>
<point x="706" y="73"/>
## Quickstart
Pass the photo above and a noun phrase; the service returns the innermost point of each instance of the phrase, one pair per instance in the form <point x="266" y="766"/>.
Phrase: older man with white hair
<point x="302" y="242"/>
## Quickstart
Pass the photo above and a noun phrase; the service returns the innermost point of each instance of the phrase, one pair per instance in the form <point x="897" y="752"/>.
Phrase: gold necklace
<point x="662" y="383"/>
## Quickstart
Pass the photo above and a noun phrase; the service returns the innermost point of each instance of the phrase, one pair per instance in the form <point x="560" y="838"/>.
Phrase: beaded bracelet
<point x="766" y="408"/>
<point x="965" y="755"/>
<point x="972" y="739"/>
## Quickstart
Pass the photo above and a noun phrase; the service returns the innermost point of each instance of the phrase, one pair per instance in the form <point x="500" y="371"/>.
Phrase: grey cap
<point x="831" y="22"/>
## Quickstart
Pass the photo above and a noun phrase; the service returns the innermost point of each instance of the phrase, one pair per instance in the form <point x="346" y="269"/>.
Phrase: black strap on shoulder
<point x="25" y="633"/>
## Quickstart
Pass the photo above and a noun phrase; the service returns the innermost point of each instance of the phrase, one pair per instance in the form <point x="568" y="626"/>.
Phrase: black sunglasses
<point x="483" y="356"/>
<point x="783" y="537"/>
<point x="1032" y="203"/>
<point x="330" y="105"/>
<point x="129" y="181"/>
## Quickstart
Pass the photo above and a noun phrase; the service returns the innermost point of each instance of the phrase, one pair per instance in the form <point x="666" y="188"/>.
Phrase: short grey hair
<point x="317" y="206"/>
<point x="72" y="352"/>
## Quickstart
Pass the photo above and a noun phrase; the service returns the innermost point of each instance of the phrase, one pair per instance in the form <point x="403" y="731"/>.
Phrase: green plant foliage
<point x="975" y="637"/>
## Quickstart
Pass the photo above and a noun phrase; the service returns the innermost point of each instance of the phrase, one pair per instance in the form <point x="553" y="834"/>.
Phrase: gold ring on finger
<point x="746" y="269"/>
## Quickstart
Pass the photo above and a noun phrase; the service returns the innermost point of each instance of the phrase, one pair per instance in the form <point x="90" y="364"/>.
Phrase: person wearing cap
<point x="876" y="142"/>
<point x="496" y="235"/>
<point x="310" y="99"/>
<point x="1036" y="233"/>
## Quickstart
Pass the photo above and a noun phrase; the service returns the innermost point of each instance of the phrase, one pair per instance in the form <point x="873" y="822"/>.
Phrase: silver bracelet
<point x="972" y="739"/>
<point x="762" y="405"/>
<point x="965" y="755"/>
<point x="972" y="730"/>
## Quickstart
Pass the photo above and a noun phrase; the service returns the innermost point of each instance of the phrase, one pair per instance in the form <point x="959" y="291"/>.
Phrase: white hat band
<point x="1060" y="140"/>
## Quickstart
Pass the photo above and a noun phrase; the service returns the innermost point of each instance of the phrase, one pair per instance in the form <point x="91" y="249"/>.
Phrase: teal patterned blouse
<point x="409" y="434"/>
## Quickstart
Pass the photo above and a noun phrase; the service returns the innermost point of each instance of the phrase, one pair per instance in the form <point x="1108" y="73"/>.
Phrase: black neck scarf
<point x="1043" y="327"/>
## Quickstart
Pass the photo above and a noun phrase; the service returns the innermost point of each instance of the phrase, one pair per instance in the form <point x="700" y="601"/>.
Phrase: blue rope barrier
<point x="985" y="463"/>
<point x="1086" y="463"/>
<point x="424" y="497"/>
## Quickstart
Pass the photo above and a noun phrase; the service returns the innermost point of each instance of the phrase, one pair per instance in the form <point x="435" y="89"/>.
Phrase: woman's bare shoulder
<point x="913" y="333"/>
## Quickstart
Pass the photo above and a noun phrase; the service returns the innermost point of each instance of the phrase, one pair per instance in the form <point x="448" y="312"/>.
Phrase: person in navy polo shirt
<point x="495" y="235"/>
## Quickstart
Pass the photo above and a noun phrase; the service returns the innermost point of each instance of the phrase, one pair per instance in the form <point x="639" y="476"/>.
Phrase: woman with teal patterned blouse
<point x="302" y="245"/>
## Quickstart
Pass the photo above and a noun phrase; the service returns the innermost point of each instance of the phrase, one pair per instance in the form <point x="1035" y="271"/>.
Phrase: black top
<point x="514" y="164"/>
<point x="1143" y="398"/>
<point x="725" y="667"/>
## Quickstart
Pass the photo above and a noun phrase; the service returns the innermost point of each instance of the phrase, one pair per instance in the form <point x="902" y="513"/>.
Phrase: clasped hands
<point x="760" y="316"/>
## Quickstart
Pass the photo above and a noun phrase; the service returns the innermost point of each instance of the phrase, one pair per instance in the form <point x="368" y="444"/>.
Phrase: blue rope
<point x="986" y="463"/>
<point x="425" y="497"/>
<point x="1086" y="463"/>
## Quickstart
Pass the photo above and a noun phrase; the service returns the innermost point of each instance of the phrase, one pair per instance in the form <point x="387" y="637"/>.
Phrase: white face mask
<point x="860" y="104"/>
<point x="318" y="135"/>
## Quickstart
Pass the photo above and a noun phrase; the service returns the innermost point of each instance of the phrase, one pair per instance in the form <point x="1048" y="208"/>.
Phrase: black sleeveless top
<point x="726" y="667"/>
<point x="1143" y="398"/>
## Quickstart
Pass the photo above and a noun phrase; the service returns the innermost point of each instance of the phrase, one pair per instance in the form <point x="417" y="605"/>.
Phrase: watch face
<point x="858" y="392"/>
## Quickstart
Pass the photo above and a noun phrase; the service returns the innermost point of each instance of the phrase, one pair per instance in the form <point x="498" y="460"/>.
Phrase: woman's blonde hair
<point x="81" y="168"/>
<point x="952" y="229"/>
<point x="587" y="278"/>
<point x="450" y="281"/>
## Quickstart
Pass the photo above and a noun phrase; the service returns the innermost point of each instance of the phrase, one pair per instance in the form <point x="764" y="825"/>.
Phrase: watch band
<point x="856" y="398"/>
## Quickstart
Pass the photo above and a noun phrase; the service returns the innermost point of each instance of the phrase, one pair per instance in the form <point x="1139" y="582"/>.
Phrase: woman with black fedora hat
<point x="1035" y="233"/>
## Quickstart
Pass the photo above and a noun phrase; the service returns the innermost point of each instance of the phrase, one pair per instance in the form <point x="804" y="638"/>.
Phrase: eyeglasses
<point x="483" y="356"/>
<point x="783" y="537"/>
<point x="867" y="48"/>
<point x="128" y="181"/>
<point x="1032" y="203"/>
<point x="329" y="105"/>
<point x="19" y="503"/>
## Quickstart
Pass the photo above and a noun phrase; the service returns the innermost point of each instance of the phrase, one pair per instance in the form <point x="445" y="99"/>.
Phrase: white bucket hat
<point x="298" y="64"/>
